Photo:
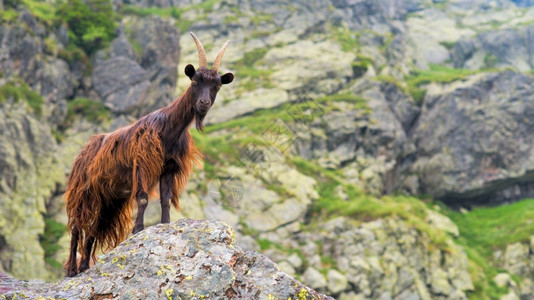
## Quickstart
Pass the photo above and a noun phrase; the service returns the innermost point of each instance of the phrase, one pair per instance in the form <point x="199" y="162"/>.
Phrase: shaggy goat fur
<point x="118" y="169"/>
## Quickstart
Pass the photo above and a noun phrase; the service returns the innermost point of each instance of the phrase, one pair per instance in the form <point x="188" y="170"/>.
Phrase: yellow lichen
<point x="169" y="293"/>
<point x="271" y="297"/>
<point x="101" y="261"/>
<point x="115" y="259"/>
<point x="303" y="294"/>
<point x="104" y="274"/>
<point x="120" y="266"/>
<point x="189" y="277"/>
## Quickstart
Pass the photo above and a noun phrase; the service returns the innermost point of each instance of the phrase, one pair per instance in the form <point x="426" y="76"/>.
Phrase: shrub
<point x="92" y="110"/>
<point x="19" y="90"/>
<point x="91" y="25"/>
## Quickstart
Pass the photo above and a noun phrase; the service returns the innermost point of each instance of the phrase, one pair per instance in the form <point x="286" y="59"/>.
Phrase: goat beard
<point x="199" y="121"/>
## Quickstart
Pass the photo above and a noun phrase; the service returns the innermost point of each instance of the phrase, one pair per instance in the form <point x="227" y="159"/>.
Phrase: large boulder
<point x="187" y="259"/>
<point x="473" y="143"/>
<point x="138" y="83"/>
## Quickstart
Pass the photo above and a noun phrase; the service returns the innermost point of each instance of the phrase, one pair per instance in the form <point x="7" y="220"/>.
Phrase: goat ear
<point x="227" y="78"/>
<point x="190" y="71"/>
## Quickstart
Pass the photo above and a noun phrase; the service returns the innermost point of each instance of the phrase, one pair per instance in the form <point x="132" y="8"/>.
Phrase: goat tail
<point x="90" y="210"/>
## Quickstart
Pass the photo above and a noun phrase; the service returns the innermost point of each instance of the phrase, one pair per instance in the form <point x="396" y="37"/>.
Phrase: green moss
<point x="20" y="91"/>
<point x="49" y="240"/>
<point x="92" y="110"/>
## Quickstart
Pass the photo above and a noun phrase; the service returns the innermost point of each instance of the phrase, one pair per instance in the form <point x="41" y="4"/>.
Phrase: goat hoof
<point x="137" y="229"/>
<point x="83" y="268"/>
<point x="71" y="273"/>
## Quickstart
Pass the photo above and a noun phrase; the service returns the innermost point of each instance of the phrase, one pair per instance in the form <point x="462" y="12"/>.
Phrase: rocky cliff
<point x="342" y="114"/>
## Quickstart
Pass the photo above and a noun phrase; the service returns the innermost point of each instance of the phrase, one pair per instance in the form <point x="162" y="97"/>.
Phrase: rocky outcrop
<point x="29" y="177"/>
<point x="517" y="259"/>
<point x="473" y="143"/>
<point x="138" y="83"/>
<point x="382" y="259"/>
<point x="25" y="55"/>
<point x="187" y="259"/>
<point x="510" y="47"/>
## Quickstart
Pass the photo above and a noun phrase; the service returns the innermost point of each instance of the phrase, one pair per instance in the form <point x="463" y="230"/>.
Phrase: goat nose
<point x="204" y="102"/>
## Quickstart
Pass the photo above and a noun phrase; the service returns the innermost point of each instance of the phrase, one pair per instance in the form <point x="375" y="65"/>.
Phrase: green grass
<point x="492" y="228"/>
<point x="8" y="16"/>
<point x="20" y="91"/>
<point x="487" y="229"/>
<point x="174" y="12"/>
<point x="435" y="74"/>
<point x="361" y="206"/>
<point x="348" y="39"/>
<point x="42" y="10"/>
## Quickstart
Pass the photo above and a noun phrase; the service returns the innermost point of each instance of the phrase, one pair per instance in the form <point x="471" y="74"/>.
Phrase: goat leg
<point x="72" y="268"/>
<point x="166" y="183"/>
<point x="142" y="203"/>
<point x="87" y="250"/>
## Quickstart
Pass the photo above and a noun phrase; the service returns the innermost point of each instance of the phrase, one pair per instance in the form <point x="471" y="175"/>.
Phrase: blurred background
<point x="374" y="149"/>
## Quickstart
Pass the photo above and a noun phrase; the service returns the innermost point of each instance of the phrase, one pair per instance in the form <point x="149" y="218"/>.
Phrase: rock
<point x="389" y="258"/>
<point x="247" y="104"/>
<point x="516" y="258"/>
<point x="314" y="278"/>
<point x="30" y="174"/>
<point x="510" y="296"/>
<point x="304" y="64"/>
<point x="470" y="141"/>
<point x="337" y="282"/>
<point x="440" y="221"/>
<point x="294" y="260"/>
<point x="138" y="85"/>
<point x="186" y="259"/>
<point x="503" y="280"/>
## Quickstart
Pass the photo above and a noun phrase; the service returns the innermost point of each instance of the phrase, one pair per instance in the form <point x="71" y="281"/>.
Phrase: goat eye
<point x="193" y="82"/>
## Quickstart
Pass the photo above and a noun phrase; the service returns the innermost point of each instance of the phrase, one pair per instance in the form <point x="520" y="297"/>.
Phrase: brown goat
<point x="115" y="170"/>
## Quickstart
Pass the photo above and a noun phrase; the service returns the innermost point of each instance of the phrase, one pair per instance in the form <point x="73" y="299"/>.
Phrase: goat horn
<point x="218" y="60"/>
<point x="202" y="61"/>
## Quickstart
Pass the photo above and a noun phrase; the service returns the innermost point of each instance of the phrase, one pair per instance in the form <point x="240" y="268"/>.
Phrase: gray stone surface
<point x="473" y="143"/>
<point x="187" y="259"/>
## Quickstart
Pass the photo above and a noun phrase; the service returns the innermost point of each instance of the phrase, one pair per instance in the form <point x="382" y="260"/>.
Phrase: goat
<point x="115" y="169"/>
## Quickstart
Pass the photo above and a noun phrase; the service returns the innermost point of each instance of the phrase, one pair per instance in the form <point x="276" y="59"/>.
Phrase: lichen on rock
<point x="187" y="259"/>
